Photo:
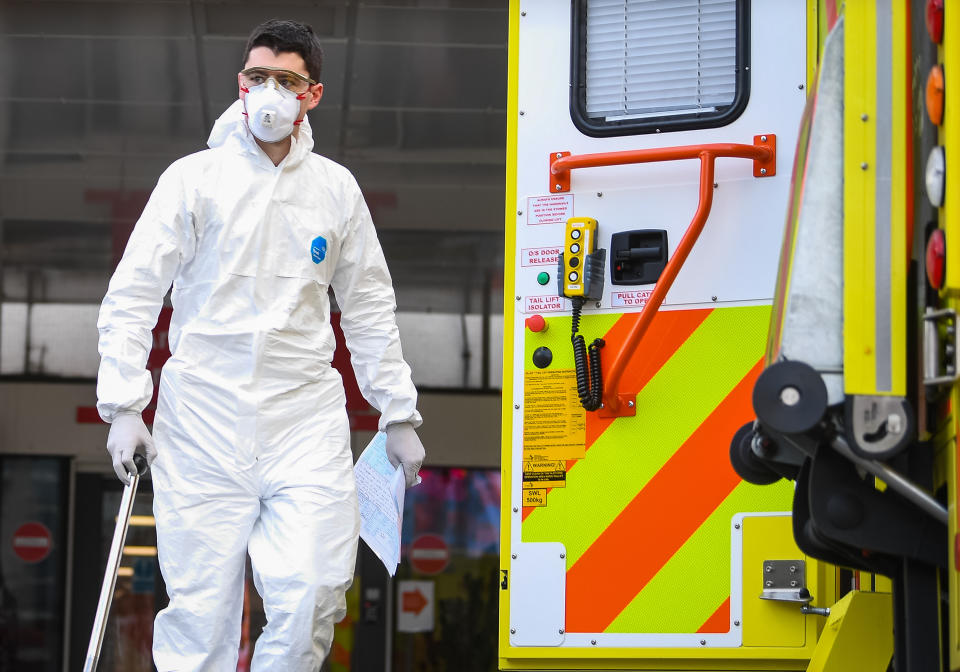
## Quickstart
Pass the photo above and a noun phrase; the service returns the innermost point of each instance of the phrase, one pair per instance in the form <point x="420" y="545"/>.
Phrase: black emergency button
<point x="542" y="357"/>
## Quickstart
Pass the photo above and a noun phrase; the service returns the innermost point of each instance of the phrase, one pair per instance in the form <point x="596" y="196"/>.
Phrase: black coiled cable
<point x="589" y="380"/>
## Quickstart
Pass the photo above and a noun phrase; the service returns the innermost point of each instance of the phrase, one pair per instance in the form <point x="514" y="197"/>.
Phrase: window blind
<point x="659" y="58"/>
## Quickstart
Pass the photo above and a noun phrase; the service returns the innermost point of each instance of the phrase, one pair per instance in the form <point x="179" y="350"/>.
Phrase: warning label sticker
<point x="540" y="256"/>
<point x="634" y="299"/>
<point x="535" y="497"/>
<point x="544" y="474"/>
<point x="543" y="304"/>
<point x="554" y="422"/>
<point x="553" y="209"/>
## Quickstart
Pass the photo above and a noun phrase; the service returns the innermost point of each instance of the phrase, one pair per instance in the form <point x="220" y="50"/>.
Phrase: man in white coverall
<point x="251" y="433"/>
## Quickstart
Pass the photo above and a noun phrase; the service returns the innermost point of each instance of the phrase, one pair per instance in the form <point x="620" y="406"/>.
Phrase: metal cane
<point x="113" y="564"/>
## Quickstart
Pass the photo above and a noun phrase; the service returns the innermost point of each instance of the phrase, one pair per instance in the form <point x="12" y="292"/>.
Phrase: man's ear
<point x="316" y="93"/>
<point x="239" y="85"/>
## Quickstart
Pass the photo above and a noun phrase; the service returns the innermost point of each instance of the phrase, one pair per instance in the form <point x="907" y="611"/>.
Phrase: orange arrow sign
<point x="413" y="601"/>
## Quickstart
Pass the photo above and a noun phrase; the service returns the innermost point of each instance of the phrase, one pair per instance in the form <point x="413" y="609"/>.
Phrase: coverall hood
<point x="230" y="130"/>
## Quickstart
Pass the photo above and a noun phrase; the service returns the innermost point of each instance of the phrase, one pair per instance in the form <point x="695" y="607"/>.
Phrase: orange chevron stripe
<point x="660" y="519"/>
<point x="719" y="621"/>
<point x="669" y="330"/>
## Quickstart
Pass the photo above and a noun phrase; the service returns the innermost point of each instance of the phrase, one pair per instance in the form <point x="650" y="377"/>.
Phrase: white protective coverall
<point x="251" y="428"/>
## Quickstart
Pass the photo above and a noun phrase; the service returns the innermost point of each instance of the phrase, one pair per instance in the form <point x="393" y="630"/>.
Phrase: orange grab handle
<point x="763" y="154"/>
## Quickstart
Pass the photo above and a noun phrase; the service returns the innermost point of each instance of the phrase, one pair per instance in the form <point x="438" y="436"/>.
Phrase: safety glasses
<point x="288" y="79"/>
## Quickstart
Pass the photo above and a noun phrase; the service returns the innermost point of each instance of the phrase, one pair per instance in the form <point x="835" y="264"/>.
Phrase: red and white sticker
<point x="540" y="256"/>
<point x="429" y="554"/>
<point x="630" y="299"/>
<point x="553" y="209"/>
<point x="544" y="304"/>
<point x="32" y="542"/>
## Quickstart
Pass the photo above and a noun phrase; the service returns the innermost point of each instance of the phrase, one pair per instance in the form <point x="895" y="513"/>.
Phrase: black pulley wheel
<point x="745" y="462"/>
<point x="790" y="397"/>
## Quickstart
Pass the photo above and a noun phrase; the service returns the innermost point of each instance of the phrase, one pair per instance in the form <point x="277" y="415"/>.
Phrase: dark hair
<point x="290" y="36"/>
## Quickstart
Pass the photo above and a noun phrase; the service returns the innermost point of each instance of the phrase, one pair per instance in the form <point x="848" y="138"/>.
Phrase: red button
<point x="536" y="323"/>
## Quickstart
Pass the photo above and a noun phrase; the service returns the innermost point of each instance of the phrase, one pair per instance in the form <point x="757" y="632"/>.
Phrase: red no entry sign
<point x="429" y="554"/>
<point x="32" y="542"/>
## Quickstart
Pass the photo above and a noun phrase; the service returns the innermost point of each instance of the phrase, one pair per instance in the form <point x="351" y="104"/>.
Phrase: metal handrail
<point x="763" y="154"/>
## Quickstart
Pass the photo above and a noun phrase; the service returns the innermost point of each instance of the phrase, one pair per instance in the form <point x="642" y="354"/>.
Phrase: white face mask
<point x="271" y="111"/>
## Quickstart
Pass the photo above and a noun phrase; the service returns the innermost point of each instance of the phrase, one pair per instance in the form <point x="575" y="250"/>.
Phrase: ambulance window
<point x="647" y="66"/>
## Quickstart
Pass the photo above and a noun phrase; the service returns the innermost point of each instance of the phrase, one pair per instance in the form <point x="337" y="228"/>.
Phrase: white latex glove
<point x="127" y="433"/>
<point x="404" y="448"/>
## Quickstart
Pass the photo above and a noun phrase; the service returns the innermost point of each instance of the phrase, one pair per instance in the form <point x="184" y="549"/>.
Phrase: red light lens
<point x="935" y="20"/>
<point x="936" y="258"/>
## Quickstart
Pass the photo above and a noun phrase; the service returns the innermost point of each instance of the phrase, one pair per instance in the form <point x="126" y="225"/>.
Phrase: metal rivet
<point x="864" y="116"/>
<point x="558" y="187"/>
<point x="799" y="86"/>
<point x="793" y="568"/>
<point x="714" y="297"/>
<point x="523" y="13"/>
<point x="519" y="212"/>
<point x="513" y="631"/>
<point x="515" y="509"/>
<point x="736" y="623"/>
<point x="518" y="298"/>
<point x="561" y="631"/>
<point x="793" y="584"/>
<point x="703" y="642"/>
<point x="737" y="526"/>
<point x="763" y="138"/>
<point x="593" y="641"/>
<point x="747" y="67"/>
<point x="864" y="165"/>
<point x="597" y="304"/>
<point x="768" y="569"/>
<point x="517" y="406"/>
<point x="768" y="584"/>
<point x="563" y="555"/>
<point x="715" y="185"/>
<point x="559" y="155"/>
<point x="514" y="556"/>
<point x="763" y="171"/>
<point x="658" y="130"/>
<point x="631" y="404"/>
<point x="522" y="113"/>
<point x="790" y="396"/>
<point x="599" y="194"/>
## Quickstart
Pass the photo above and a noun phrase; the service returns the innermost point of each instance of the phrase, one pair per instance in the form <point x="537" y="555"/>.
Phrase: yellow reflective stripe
<point x="696" y="580"/>
<point x="859" y="239"/>
<point x="510" y="244"/>
<point x="950" y="139"/>
<point x="669" y="409"/>
<point x="816" y="22"/>
<point x="875" y="209"/>
<point x="899" y="208"/>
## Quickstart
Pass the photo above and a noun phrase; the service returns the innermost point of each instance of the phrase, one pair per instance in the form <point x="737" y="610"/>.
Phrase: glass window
<point x="448" y="583"/>
<point x="643" y="66"/>
<point x="33" y="511"/>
